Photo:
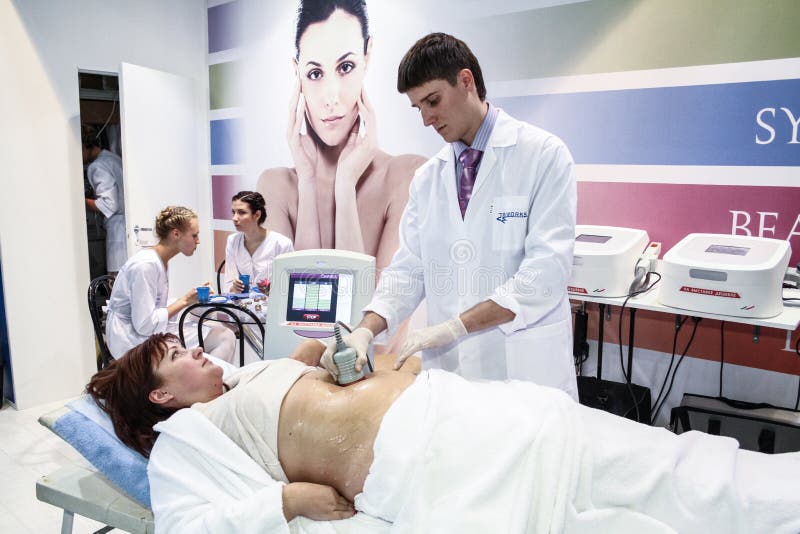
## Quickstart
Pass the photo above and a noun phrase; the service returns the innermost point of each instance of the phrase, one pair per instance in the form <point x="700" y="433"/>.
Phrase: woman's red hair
<point x="122" y="390"/>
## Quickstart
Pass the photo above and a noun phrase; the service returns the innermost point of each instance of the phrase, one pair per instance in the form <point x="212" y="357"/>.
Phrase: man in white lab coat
<point x="486" y="238"/>
<point x="105" y="176"/>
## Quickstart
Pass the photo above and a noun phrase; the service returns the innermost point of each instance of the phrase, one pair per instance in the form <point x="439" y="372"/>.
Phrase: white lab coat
<point x="259" y="266"/>
<point x="105" y="177"/>
<point x="514" y="246"/>
<point x="137" y="308"/>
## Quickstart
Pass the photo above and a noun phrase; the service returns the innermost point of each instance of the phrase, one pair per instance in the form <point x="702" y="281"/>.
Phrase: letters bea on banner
<point x="741" y="221"/>
<point x="763" y="115"/>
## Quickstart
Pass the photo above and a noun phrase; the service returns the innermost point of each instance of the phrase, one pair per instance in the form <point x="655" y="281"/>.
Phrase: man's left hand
<point x="429" y="338"/>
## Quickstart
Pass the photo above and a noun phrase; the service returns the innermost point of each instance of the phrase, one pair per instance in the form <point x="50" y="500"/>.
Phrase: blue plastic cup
<point x="203" y="294"/>
<point x="245" y="278"/>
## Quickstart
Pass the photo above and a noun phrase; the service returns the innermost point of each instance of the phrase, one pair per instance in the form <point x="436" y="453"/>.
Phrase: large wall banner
<point x="681" y="116"/>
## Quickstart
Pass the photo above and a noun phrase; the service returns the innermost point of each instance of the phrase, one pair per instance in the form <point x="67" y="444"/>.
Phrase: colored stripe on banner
<point x="225" y="142"/>
<point x="223" y="187"/>
<point x="220" y="241"/>
<point x="225" y="26"/>
<point x="223" y="85"/>
<point x="737" y="124"/>
<point x="670" y="211"/>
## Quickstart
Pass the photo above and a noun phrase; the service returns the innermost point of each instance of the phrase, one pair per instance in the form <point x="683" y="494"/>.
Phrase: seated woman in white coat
<point x="252" y="248"/>
<point x="433" y="453"/>
<point x="138" y="306"/>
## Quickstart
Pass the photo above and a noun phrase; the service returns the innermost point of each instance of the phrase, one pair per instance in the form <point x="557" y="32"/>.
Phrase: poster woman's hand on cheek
<point x="360" y="149"/>
<point x="304" y="150"/>
<point x="305" y="155"/>
<point x="357" y="155"/>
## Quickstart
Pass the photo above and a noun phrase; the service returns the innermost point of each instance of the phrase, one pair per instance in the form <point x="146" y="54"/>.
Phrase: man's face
<point x="443" y="107"/>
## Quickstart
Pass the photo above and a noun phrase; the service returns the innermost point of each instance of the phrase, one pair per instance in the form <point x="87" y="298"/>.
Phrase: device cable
<point x="721" y="354"/>
<point x="629" y="374"/>
<point x="677" y="366"/>
<point x="678" y="326"/>
<point x="113" y="109"/>
<point x="797" y="350"/>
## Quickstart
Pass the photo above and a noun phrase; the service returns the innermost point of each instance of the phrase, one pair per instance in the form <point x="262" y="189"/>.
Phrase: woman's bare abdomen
<point x="326" y="432"/>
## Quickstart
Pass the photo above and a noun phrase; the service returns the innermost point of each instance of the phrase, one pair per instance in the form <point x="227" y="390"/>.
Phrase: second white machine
<point x="733" y="275"/>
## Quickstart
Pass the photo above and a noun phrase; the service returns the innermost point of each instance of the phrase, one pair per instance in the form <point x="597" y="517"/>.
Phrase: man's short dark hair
<point x="438" y="56"/>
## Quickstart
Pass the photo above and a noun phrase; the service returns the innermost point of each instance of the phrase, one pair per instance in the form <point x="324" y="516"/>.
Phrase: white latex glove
<point x="429" y="338"/>
<point x="358" y="339"/>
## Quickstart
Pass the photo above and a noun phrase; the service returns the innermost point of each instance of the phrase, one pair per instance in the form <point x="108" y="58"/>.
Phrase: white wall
<point x="42" y="232"/>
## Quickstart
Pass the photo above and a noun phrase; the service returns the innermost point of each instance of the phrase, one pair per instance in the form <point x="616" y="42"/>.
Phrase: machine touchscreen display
<point x="319" y="297"/>
<point x="727" y="249"/>
<point x="589" y="238"/>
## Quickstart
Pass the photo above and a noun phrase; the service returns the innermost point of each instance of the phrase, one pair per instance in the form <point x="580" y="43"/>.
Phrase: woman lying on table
<point x="432" y="453"/>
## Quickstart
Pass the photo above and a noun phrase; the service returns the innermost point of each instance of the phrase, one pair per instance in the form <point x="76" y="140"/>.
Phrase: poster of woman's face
<point x="333" y="60"/>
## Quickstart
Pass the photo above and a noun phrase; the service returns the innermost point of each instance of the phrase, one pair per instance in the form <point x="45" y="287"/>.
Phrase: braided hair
<point x="173" y="218"/>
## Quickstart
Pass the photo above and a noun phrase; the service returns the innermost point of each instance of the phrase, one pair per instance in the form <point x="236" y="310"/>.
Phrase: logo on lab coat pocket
<point x="503" y="215"/>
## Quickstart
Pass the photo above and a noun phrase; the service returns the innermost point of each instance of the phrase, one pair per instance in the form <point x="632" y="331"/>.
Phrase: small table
<point x="232" y="314"/>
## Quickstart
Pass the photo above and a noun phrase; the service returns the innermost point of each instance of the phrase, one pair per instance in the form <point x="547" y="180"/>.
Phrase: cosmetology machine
<point x="312" y="290"/>
<point x="733" y="275"/>
<point x="606" y="261"/>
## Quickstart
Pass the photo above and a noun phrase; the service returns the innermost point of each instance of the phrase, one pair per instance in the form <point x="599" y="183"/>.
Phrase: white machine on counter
<point x="723" y="274"/>
<point x="605" y="259"/>
<point x="311" y="290"/>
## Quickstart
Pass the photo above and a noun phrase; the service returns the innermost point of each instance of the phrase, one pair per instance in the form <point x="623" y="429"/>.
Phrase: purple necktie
<point x="469" y="158"/>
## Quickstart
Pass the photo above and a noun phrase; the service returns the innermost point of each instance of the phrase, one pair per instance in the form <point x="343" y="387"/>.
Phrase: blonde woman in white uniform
<point x="139" y="307"/>
<point x="252" y="248"/>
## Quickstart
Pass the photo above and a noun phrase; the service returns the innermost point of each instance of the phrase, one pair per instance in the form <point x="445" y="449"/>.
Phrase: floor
<point x="28" y="451"/>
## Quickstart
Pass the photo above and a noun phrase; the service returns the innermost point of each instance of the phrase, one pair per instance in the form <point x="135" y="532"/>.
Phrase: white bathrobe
<point x="201" y="482"/>
<point x="464" y="457"/>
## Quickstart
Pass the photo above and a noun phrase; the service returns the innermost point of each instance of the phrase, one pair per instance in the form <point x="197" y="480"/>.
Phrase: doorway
<point x="101" y="141"/>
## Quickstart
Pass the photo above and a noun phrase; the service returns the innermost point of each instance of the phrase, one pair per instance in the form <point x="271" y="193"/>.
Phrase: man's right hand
<point x="359" y="339"/>
<point x="315" y="501"/>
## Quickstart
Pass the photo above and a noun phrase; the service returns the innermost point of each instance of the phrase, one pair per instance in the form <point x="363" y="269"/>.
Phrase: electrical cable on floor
<point x="677" y="366"/>
<point x="721" y="354"/>
<point x="629" y="377"/>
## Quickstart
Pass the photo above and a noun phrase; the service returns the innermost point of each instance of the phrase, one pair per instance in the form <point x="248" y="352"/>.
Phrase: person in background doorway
<point x="252" y="248"/>
<point x="138" y="306"/>
<point x="104" y="173"/>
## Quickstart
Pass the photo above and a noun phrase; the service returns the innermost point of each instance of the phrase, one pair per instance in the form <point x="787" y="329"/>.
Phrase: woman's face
<point x="186" y="377"/>
<point x="331" y="65"/>
<point x="243" y="218"/>
<point x="189" y="238"/>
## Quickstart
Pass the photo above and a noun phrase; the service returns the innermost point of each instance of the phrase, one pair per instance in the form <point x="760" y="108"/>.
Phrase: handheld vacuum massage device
<point x="345" y="360"/>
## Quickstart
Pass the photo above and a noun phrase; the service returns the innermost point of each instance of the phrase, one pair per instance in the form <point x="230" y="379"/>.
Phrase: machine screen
<point x="320" y="297"/>
<point x="727" y="249"/>
<point x="589" y="238"/>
